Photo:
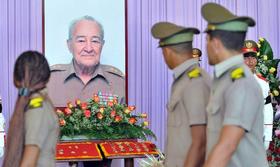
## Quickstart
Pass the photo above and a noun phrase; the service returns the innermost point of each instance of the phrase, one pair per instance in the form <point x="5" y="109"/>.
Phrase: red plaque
<point x="127" y="148"/>
<point x="77" y="150"/>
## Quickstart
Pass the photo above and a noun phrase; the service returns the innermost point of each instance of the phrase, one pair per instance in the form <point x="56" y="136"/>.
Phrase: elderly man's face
<point x="86" y="43"/>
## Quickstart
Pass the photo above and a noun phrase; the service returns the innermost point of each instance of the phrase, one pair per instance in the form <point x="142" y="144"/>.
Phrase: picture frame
<point x="57" y="18"/>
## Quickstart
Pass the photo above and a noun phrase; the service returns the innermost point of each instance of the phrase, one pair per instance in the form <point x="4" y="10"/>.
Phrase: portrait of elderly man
<point x="85" y="76"/>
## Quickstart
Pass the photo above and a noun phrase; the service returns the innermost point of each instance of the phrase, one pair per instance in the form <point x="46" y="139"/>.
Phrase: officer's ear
<point x="69" y="45"/>
<point x="166" y="50"/>
<point x="217" y="45"/>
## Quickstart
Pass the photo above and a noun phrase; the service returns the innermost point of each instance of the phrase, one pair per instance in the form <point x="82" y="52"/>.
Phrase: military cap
<point x="172" y="34"/>
<point x="219" y="18"/>
<point x="250" y="46"/>
<point x="196" y="52"/>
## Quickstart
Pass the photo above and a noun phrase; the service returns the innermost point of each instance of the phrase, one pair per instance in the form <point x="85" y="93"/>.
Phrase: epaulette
<point x="114" y="70"/>
<point x="36" y="102"/>
<point x="194" y="73"/>
<point x="237" y="73"/>
<point x="59" y="67"/>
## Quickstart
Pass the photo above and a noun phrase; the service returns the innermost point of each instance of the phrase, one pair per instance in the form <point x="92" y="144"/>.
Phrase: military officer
<point x="235" y="109"/>
<point x="196" y="53"/>
<point x="250" y="50"/>
<point x="85" y="76"/>
<point x="186" y="115"/>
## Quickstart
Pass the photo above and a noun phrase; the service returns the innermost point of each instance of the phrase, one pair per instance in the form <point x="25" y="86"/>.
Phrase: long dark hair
<point x="31" y="72"/>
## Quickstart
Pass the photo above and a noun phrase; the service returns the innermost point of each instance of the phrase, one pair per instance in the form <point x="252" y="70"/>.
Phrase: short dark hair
<point x="231" y="40"/>
<point x="185" y="47"/>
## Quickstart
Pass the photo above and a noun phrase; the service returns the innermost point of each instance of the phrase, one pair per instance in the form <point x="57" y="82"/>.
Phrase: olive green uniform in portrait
<point x="65" y="85"/>
<point x="42" y="130"/>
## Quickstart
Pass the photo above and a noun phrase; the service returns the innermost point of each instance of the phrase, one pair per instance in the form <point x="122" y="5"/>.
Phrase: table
<point x="97" y="150"/>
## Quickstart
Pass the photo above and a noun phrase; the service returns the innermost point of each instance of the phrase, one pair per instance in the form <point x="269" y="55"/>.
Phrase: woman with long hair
<point x="33" y="128"/>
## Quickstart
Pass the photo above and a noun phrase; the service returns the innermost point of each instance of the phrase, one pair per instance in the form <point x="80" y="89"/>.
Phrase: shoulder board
<point x="237" y="73"/>
<point x="194" y="73"/>
<point x="261" y="77"/>
<point x="113" y="70"/>
<point x="36" y="102"/>
<point x="59" y="67"/>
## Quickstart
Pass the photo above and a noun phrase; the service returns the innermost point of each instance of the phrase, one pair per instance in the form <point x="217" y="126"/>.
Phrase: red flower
<point x="110" y="103"/>
<point x="84" y="106"/>
<point x="131" y="108"/>
<point x="269" y="158"/>
<point x="277" y="159"/>
<point x="118" y="118"/>
<point x="67" y="111"/>
<point x="87" y="113"/>
<point x="96" y="98"/>
<point x="59" y="112"/>
<point x="113" y="113"/>
<point x="99" y="115"/>
<point x="271" y="146"/>
<point x="62" y="122"/>
<point x="132" y="120"/>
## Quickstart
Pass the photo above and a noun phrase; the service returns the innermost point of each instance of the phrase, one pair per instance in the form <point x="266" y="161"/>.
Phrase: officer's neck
<point x="225" y="54"/>
<point x="85" y="73"/>
<point x="181" y="58"/>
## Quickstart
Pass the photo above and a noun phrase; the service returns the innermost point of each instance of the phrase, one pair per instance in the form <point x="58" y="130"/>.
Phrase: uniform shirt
<point x="186" y="107"/>
<point x="267" y="112"/>
<point x="237" y="102"/>
<point x="65" y="85"/>
<point x="42" y="130"/>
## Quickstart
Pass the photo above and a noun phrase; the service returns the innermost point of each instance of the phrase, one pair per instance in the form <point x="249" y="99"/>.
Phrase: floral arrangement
<point x="273" y="153"/>
<point x="267" y="67"/>
<point x="97" y="119"/>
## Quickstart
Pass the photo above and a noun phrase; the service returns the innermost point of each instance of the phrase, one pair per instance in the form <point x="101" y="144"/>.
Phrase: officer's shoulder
<point x="59" y="67"/>
<point x="238" y="73"/>
<point x="36" y="102"/>
<point x="112" y="70"/>
<point x="194" y="73"/>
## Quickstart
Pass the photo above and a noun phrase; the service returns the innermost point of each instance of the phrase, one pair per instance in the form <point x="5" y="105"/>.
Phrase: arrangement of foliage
<point x="98" y="120"/>
<point x="267" y="67"/>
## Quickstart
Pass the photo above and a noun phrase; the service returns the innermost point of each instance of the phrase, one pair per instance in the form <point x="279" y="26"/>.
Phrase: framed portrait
<point x="58" y="16"/>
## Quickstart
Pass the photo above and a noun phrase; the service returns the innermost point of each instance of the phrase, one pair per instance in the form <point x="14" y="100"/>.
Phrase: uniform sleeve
<point x="244" y="103"/>
<point x="196" y="98"/>
<point x="36" y="127"/>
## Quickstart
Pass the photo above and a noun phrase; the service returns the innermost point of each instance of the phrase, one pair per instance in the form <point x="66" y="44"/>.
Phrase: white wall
<point x="60" y="13"/>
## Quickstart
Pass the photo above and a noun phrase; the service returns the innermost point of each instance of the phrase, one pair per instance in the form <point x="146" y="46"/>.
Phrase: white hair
<point x="88" y="18"/>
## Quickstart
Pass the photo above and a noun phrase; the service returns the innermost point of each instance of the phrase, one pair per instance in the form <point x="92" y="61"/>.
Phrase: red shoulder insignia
<point x="261" y="77"/>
